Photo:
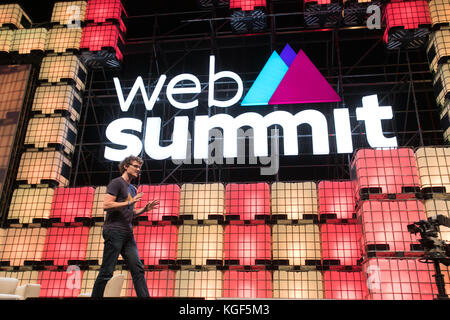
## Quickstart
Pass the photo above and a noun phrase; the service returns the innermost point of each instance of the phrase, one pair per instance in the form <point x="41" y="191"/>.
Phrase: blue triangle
<point x="267" y="82"/>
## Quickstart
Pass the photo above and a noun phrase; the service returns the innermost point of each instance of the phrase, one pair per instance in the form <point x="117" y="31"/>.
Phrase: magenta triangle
<point x="303" y="83"/>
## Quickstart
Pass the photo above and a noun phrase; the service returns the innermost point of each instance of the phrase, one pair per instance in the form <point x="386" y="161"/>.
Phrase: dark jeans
<point x="120" y="242"/>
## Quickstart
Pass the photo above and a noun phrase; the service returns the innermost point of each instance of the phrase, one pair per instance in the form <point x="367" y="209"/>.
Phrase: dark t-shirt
<point x="121" y="218"/>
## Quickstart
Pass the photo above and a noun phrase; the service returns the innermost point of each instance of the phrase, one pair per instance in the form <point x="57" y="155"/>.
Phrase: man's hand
<point x="151" y="205"/>
<point x="137" y="198"/>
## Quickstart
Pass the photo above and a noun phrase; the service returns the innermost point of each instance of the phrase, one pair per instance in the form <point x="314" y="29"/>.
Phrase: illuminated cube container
<point x="160" y="284"/>
<point x="340" y="242"/>
<point x="169" y="201"/>
<point x="407" y="23"/>
<point x="247" y="5"/>
<point x="247" y="201"/>
<point x="56" y="68"/>
<point x="45" y="132"/>
<point x="38" y="167"/>
<point x="28" y="204"/>
<point x="440" y="12"/>
<point x="21" y="244"/>
<point x="97" y="207"/>
<point x="201" y="244"/>
<point x="199" y="284"/>
<point x="7" y="135"/>
<point x="202" y="201"/>
<point x="95" y="245"/>
<point x="24" y="277"/>
<point x="345" y="285"/>
<point x="337" y="198"/>
<point x="63" y="244"/>
<point x="438" y="51"/>
<point x="399" y="279"/>
<point x="27" y="40"/>
<point x="105" y="37"/>
<point x="298" y="244"/>
<point x="6" y="38"/>
<point x="13" y="16"/>
<point x="389" y="171"/>
<point x="384" y="225"/>
<point x="247" y="285"/>
<point x="156" y="243"/>
<point x="322" y="12"/>
<point x="60" y="284"/>
<point x="100" y="11"/>
<point x="69" y="12"/>
<point x="297" y="285"/>
<point x="441" y="85"/>
<point x="294" y="200"/>
<point x="62" y="39"/>
<point x="434" y="168"/>
<point x="49" y="99"/>
<point x="71" y="203"/>
<point x="247" y="244"/>
<point x="434" y="207"/>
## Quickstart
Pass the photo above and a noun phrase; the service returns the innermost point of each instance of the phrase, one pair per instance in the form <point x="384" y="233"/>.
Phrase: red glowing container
<point x="102" y="37"/>
<point x="247" y="5"/>
<point x="160" y="284"/>
<point x="247" y="201"/>
<point x="156" y="243"/>
<point x="65" y="243"/>
<point x="71" y="203"/>
<point x="100" y="11"/>
<point x="169" y="201"/>
<point x="60" y="284"/>
<point x="384" y="225"/>
<point x="247" y="285"/>
<point x="340" y="244"/>
<point x="318" y="1"/>
<point x="345" y="285"/>
<point x="247" y="244"/>
<point x="390" y="171"/>
<point x="399" y="279"/>
<point x="337" y="198"/>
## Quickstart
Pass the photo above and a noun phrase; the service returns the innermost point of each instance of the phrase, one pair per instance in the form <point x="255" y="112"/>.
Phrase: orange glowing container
<point x="28" y="204"/>
<point x="440" y="12"/>
<point x="27" y="40"/>
<point x="434" y="168"/>
<point x="13" y="16"/>
<point x="62" y="39"/>
<point x="247" y="245"/>
<point x="169" y="201"/>
<point x="296" y="245"/>
<point x="247" y="5"/>
<point x="6" y="38"/>
<point x="69" y="12"/>
<point x="247" y="201"/>
<point x="441" y="84"/>
<point x="337" y="199"/>
<point x="156" y="244"/>
<point x="202" y="201"/>
<point x="391" y="171"/>
<point x="160" y="284"/>
<point x="297" y="285"/>
<point x="293" y="201"/>
<point x="60" y="284"/>
<point x="434" y="207"/>
<point x="63" y="67"/>
<point x="71" y="203"/>
<point x="45" y="132"/>
<point x="22" y="244"/>
<point x="438" y="51"/>
<point x="64" y="244"/>
<point x="399" y="279"/>
<point x="384" y="225"/>
<point x="343" y="285"/>
<point x="24" y="277"/>
<point x="247" y="285"/>
<point x="60" y="98"/>
<point x="199" y="284"/>
<point x="97" y="208"/>
<point x="38" y="167"/>
<point x="95" y="245"/>
<point x="201" y="244"/>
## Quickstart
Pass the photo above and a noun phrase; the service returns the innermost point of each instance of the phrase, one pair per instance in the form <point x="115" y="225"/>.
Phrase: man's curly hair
<point x="127" y="161"/>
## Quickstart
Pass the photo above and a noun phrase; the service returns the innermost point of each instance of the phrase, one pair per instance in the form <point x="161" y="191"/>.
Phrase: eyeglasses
<point x="136" y="166"/>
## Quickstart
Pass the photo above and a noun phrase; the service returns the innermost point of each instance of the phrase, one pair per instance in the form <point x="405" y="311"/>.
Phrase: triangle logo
<point x="289" y="79"/>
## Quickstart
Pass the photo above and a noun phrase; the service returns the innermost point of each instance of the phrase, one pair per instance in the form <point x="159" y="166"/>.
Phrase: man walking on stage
<point x="119" y="202"/>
